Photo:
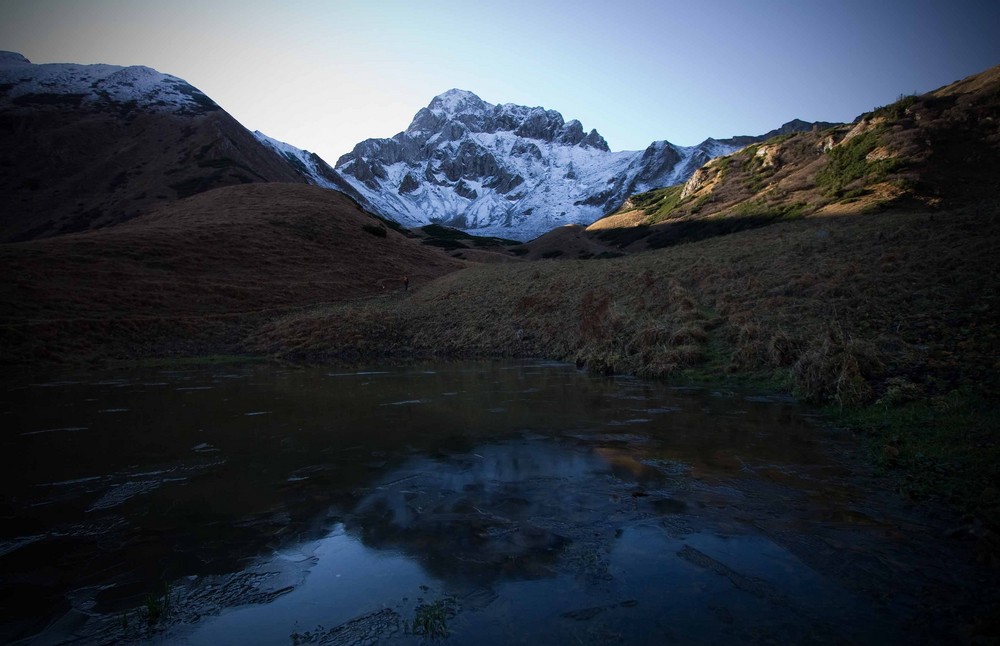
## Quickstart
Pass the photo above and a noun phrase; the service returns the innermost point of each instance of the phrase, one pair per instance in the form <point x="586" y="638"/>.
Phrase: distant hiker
<point x="406" y="283"/>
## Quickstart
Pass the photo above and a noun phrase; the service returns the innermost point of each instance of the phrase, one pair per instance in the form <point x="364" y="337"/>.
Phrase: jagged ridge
<point x="510" y="170"/>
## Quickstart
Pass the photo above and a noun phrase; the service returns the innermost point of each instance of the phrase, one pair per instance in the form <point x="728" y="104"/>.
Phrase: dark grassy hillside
<point x="191" y="270"/>
<point x="839" y="305"/>
<point x="67" y="169"/>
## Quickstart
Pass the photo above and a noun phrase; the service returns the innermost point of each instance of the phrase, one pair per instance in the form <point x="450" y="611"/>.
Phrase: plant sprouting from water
<point x="157" y="606"/>
<point x="430" y="619"/>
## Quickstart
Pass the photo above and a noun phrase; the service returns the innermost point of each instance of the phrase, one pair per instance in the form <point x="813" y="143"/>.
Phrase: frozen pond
<point x="487" y="503"/>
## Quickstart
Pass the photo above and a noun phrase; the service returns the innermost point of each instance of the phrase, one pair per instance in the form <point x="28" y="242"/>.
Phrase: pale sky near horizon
<point x="325" y="75"/>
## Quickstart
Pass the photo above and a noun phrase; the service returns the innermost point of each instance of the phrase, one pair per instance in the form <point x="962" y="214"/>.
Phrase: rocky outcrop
<point x="409" y="184"/>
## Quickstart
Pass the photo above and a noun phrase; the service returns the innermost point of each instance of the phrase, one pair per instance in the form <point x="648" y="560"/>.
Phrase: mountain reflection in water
<point x="484" y="502"/>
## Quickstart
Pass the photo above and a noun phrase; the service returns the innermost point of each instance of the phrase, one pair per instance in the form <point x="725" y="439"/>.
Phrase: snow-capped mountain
<point x="507" y="170"/>
<point x="130" y="138"/>
<point x="88" y="146"/>
<point x="25" y="84"/>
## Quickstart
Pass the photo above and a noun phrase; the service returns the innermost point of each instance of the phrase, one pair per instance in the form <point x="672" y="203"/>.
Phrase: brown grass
<point x="199" y="273"/>
<point x="838" y="304"/>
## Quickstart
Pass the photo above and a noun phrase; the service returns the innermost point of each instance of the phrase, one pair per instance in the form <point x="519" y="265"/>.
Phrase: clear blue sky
<point x="324" y="75"/>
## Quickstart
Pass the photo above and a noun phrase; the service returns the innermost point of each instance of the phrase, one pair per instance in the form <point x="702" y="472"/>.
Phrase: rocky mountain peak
<point x="511" y="170"/>
<point x="595" y="140"/>
<point x="504" y="169"/>
<point x="453" y="114"/>
<point x="795" y="125"/>
<point x="455" y="102"/>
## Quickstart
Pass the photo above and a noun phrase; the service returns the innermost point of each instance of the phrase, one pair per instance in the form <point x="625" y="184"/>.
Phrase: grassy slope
<point x="843" y="303"/>
<point x="193" y="275"/>
<point x="936" y="150"/>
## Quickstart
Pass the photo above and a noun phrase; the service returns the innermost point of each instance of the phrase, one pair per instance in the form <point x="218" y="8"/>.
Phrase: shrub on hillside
<point x="838" y="369"/>
<point x="848" y="163"/>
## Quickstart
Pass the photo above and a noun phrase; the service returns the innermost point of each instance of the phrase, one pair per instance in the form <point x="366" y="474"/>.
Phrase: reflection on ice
<point x="501" y="503"/>
<point x="314" y="589"/>
<point x="507" y="510"/>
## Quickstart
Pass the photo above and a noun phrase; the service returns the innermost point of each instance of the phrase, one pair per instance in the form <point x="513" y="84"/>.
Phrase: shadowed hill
<point x="70" y="171"/>
<point x="102" y="144"/>
<point x="230" y="253"/>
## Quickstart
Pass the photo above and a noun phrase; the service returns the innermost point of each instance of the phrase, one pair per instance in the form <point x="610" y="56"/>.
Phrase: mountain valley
<point x="853" y="265"/>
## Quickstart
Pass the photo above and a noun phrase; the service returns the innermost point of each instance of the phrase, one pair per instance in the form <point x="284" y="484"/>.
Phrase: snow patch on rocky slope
<point x="23" y="83"/>
<point x="507" y="170"/>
